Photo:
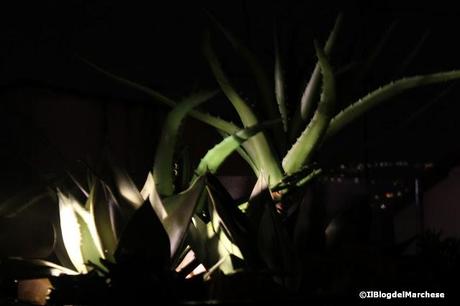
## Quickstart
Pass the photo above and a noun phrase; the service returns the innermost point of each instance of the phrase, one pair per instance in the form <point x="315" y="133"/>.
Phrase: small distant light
<point x="34" y="291"/>
<point x="389" y="195"/>
<point x="376" y="197"/>
<point x="399" y="193"/>
<point x="383" y="206"/>
<point x="356" y="180"/>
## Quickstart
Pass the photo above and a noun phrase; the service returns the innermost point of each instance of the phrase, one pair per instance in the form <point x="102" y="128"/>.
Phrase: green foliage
<point x="259" y="151"/>
<point x="222" y="237"/>
<point x="385" y="93"/>
<point x="163" y="166"/>
<point x="263" y="152"/>
<point x="301" y="152"/>
<point x="217" y="155"/>
<point x="312" y="89"/>
<point x="164" y="224"/>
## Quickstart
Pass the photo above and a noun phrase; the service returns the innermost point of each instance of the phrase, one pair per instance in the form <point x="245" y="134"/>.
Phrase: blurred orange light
<point x="389" y="195"/>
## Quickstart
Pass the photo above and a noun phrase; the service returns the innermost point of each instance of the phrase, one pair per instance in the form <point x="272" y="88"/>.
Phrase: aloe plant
<point x="91" y="239"/>
<point x="168" y="220"/>
<point x="216" y="236"/>
<point x="260" y="151"/>
<point x="326" y="121"/>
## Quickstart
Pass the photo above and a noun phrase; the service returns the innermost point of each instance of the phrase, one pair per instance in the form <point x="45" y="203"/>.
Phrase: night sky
<point x="48" y="93"/>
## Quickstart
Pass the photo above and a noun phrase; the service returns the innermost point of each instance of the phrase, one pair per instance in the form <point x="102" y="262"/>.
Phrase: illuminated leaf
<point x="102" y="205"/>
<point x="280" y="86"/>
<point x="217" y="155"/>
<point x="127" y="188"/>
<point x="301" y="152"/>
<point x="263" y="155"/>
<point x="163" y="166"/>
<point x="311" y="92"/>
<point x="212" y="246"/>
<point x="384" y="93"/>
<point x="70" y="231"/>
<point x="262" y="80"/>
<point x="91" y="245"/>
<point x="180" y="209"/>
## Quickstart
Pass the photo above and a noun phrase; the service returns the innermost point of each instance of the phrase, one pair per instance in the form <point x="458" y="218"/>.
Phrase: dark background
<point x="56" y="109"/>
<point x="57" y="114"/>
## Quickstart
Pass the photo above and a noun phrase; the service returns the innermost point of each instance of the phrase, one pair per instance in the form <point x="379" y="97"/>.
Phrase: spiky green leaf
<point x="262" y="81"/>
<point x="245" y="113"/>
<point x="244" y="154"/>
<point x="256" y="69"/>
<point x="126" y="187"/>
<point x="301" y="152"/>
<point x="182" y="207"/>
<point x="70" y="231"/>
<point x="280" y="87"/>
<point x="212" y="246"/>
<point x="175" y="212"/>
<point x="91" y="244"/>
<point x="384" y="93"/>
<point x="217" y="155"/>
<point x="163" y="166"/>
<point x="102" y="206"/>
<point x="264" y="157"/>
<point x="311" y="91"/>
<point x="79" y="233"/>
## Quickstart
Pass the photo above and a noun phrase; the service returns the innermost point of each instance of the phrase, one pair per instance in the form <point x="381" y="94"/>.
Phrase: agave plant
<point x="172" y="220"/>
<point x="309" y="130"/>
<point x="153" y="239"/>
<point x="232" y="234"/>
